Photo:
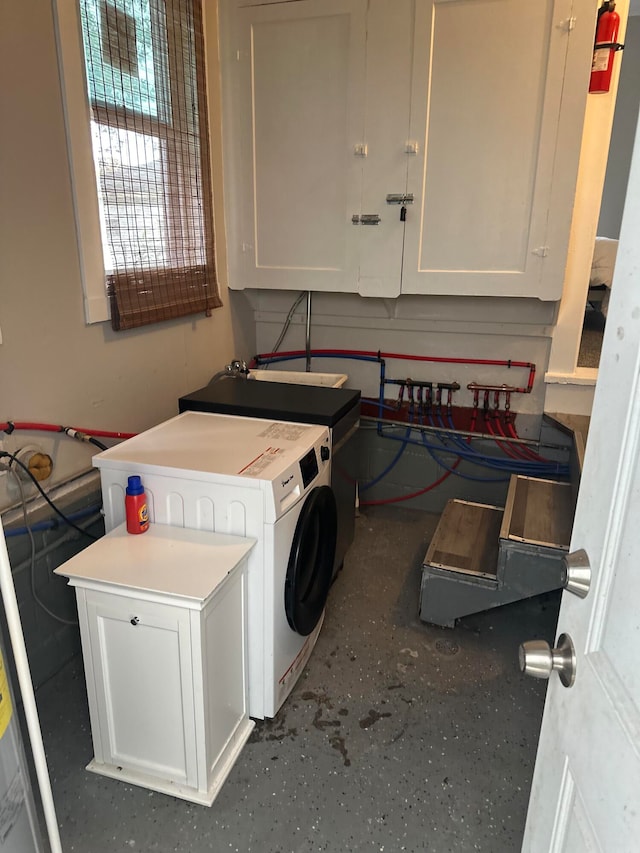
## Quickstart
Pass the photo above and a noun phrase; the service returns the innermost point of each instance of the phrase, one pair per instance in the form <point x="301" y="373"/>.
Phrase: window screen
<point x="145" y="75"/>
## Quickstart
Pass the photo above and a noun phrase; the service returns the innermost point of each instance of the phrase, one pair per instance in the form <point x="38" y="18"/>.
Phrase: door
<point x="310" y="567"/>
<point x="294" y="109"/>
<point x="140" y="657"/>
<point x="497" y="107"/>
<point x="586" y="785"/>
<point x="387" y="102"/>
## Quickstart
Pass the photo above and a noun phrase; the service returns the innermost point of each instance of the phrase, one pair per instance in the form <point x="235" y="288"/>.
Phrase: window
<point x="153" y="216"/>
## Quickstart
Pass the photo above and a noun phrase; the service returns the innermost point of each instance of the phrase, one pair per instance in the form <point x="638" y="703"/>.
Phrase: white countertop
<point x="164" y="560"/>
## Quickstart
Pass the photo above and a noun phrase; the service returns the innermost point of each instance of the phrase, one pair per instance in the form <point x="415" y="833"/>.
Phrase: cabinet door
<point x="143" y="678"/>
<point x="387" y="103"/>
<point x="498" y="97"/>
<point x="293" y="115"/>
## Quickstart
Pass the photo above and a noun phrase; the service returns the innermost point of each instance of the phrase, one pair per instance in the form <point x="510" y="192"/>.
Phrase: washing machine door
<point x="311" y="561"/>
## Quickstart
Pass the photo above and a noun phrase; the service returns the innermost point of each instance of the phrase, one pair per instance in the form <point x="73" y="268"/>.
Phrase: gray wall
<point x="52" y="638"/>
<point x="448" y="327"/>
<point x="624" y="127"/>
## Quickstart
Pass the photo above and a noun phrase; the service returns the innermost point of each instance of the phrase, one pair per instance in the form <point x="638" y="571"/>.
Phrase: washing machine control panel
<point x="308" y="470"/>
<point x="309" y="467"/>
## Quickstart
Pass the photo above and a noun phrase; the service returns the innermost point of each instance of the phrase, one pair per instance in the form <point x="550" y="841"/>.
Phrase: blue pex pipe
<point x="51" y="524"/>
<point x="517" y="465"/>
<point x="536" y="466"/>
<point x="390" y="466"/>
<point x="505" y="465"/>
<point x="453" y="471"/>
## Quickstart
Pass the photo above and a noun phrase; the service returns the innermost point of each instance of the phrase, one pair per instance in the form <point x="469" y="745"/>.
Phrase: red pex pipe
<point x="503" y="447"/>
<point x="531" y="454"/>
<point x="10" y="426"/>
<point x="405" y="357"/>
<point x="516" y="449"/>
<point x="413" y="494"/>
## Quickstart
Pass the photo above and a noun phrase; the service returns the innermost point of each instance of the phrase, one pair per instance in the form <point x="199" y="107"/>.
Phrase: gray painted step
<point x="481" y="557"/>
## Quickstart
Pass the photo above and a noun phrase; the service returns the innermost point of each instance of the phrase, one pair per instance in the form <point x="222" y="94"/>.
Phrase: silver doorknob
<point x="539" y="660"/>
<point x="576" y="573"/>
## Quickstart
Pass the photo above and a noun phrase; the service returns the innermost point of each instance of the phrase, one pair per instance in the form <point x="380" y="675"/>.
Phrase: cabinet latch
<point x="400" y="198"/>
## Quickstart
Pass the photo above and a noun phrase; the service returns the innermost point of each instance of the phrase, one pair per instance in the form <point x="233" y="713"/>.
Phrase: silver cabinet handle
<point x="539" y="660"/>
<point x="576" y="573"/>
<point x="366" y="219"/>
<point x="399" y="198"/>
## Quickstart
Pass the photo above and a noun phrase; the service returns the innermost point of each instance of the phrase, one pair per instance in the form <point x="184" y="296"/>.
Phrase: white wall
<point x="570" y="388"/>
<point x="53" y="367"/>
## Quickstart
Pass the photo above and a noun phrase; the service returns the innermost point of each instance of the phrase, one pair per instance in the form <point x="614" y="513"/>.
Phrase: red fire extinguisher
<point x="605" y="48"/>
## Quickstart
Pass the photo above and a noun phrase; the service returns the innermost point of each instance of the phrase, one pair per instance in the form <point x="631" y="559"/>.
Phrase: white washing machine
<point x="264" y="479"/>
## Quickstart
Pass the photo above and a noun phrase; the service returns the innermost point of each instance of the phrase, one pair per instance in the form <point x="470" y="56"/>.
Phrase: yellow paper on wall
<point x="6" y="708"/>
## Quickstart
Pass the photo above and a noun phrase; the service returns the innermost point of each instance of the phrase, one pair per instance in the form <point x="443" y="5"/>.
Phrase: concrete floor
<point x="399" y="736"/>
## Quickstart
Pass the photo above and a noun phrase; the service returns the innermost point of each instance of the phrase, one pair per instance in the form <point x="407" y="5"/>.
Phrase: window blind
<point x="146" y="82"/>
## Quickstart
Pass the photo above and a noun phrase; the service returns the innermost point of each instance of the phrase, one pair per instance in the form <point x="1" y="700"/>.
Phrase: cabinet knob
<point x="134" y="620"/>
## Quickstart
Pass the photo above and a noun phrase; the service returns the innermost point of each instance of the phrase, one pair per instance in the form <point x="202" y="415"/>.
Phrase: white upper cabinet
<point x="470" y="110"/>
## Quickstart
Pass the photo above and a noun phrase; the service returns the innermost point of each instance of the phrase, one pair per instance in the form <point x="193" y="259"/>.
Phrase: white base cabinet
<point x="163" y="627"/>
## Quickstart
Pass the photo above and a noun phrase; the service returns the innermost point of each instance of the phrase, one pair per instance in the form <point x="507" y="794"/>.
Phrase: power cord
<point x="32" y="561"/>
